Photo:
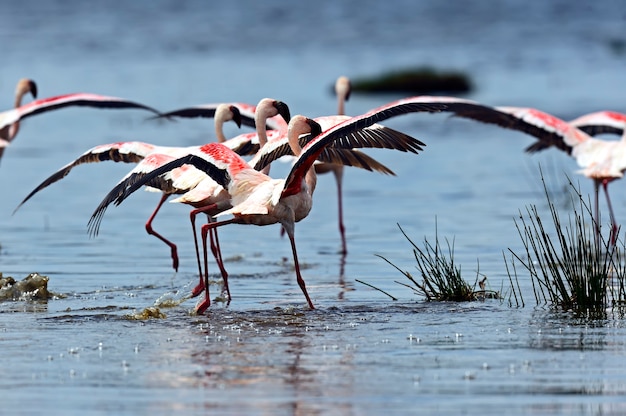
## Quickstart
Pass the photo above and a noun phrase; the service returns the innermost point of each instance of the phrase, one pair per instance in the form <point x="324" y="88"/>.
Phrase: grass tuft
<point x="571" y="268"/>
<point x="441" y="278"/>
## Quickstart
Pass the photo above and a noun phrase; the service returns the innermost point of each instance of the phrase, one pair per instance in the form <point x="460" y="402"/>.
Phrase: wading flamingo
<point x="10" y="120"/>
<point x="257" y="198"/>
<point x="200" y="190"/>
<point x="343" y="88"/>
<point x="136" y="152"/>
<point x="602" y="161"/>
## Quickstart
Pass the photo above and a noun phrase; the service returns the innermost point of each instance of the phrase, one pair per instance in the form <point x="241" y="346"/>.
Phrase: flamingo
<point x="343" y="88"/>
<point x="600" y="160"/>
<point x="203" y="190"/>
<point x="258" y="199"/>
<point x="136" y="152"/>
<point x="10" y="120"/>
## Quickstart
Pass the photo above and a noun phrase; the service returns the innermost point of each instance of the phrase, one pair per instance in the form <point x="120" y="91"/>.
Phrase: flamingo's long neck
<point x="341" y="110"/>
<point x="298" y="127"/>
<point x="19" y="95"/>
<point x="342" y="90"/>
<point x="220" y="119"/>
<point x="260" y="122"/>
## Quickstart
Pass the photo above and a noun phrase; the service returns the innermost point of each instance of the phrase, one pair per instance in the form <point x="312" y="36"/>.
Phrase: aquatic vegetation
<point x="571" y="266"/>
<point x="441" y="277"/>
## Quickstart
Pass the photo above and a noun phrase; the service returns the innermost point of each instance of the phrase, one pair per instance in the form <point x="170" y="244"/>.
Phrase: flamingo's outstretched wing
<point x="312" y="150"/>
<point x="68" y="100"/>
<point x="126" y="152"/>
<point x="550" y="130"/>
<point x="601" y="122"/>
<point x="213" y="159"/>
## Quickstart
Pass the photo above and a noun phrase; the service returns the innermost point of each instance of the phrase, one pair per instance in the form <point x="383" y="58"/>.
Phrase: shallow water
<point x="266" y="353"/>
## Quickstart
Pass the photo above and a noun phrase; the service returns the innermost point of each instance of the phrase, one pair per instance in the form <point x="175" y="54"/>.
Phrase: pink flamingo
<point x="199" y="190"/>
<point x="260" y="200"/>
<point x="601" y="160"/>
<point x="136" y="152"/>
<point x="10" y="120"/>
<point x="343" y="88"/>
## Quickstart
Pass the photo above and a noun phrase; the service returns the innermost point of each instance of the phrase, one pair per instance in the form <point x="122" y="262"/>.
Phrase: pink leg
<point x="289" y="229"/>
<point x="614" y="227"/>
<point x="214" y="248"/>
<point x="206" y="228"/>
<point x="174" y="250"/>
<point x="596" y="187"/>
<point x="338" y="171"/>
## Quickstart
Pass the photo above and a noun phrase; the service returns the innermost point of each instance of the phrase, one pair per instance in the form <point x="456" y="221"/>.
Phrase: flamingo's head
<point x="283" y="110"/>
<point x="316" y="129"/>
<point x="343" y="88"/>
<point x="25" y="86"/>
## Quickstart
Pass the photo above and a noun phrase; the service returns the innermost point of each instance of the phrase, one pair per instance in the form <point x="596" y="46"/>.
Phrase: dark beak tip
<point x="33" y="89"/>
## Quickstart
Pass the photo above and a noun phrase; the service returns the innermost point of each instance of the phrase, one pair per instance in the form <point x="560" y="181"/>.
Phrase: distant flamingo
<point x="601" y="160"/>
<point x="9" y="126"/>
<point x="342" y="90"/>
<point x="136" y="152"/>
<point x="260" y="200"/>
<point x="10" y="120"/>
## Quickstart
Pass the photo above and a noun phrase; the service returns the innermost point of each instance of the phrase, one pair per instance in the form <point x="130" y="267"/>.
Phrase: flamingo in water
<point x="258" y="199"/>
<point x="200" y="190"/>
<point x="136" y="152"/>
<point x="10" y="120"/>
<point x="602" y="161"/>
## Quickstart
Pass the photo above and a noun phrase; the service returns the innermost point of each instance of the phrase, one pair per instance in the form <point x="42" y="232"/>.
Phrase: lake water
<point x="359" y="352"/>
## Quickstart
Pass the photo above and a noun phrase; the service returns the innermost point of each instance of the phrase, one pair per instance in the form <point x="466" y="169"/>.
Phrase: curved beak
<point x="236" y="115"/>
<point x="33" y="88"/>
<point x="283" y="110"/>
<point x="316" y="129"/>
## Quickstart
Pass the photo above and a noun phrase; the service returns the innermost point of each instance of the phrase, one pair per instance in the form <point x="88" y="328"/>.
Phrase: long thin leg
<point x="204" y="231"/>
<point x="338" y="171"/>
<point x="289" y="229"/>
<point x="614" y="227"/>
<point x="217" y="254"/>
<point x="174" y="250"/>
<point x="596" y="187"/>
<point x="214" y="248"/>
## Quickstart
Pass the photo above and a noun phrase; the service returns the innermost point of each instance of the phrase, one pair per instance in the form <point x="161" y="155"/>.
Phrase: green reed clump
<point x="570" y="265"/>
<point x="441" y="278"/>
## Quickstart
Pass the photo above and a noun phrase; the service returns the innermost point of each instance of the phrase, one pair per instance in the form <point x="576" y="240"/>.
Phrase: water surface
<point x="359" y="352"/>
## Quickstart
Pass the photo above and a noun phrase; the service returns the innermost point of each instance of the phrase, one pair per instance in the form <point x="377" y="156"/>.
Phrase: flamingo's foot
<point x="198" y="289"/>
<point x="203" y="306"/>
